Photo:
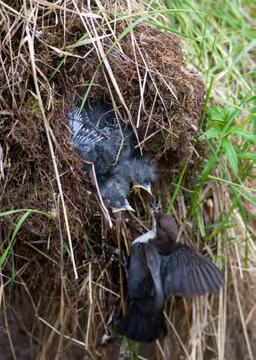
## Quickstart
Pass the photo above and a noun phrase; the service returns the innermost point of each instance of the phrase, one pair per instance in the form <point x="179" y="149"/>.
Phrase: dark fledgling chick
<point x="98" y="137"/>
<point x="139" y="172"/>
<point x="173" y="269"/>
<point x="114" y="194"/>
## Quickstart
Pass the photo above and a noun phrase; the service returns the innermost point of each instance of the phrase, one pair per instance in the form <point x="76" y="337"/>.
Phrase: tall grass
<point x="219" y="41"/>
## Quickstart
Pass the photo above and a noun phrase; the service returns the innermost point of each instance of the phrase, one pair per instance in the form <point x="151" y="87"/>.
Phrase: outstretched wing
<point x="84" y="133"/>
<point x="189" y="274"/>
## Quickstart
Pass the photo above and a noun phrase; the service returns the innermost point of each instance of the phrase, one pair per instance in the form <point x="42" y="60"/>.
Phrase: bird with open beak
<point x="139" y="171"/>
<point x="101" y="140"/>
<point x="114" y="193"/>
<point x="159" y="268"/>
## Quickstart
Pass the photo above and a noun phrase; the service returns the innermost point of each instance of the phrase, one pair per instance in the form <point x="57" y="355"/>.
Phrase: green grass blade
<point x="230" y="153"/>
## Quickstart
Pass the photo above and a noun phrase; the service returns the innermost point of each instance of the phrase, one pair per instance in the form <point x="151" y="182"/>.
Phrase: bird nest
<point x="62" y="252"/>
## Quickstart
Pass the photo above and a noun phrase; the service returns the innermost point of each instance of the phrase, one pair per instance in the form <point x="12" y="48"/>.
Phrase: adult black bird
<point x="159" y="268"/>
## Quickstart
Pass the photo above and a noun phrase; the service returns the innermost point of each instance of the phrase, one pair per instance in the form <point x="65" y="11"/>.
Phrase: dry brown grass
<point x="59" y="283"/>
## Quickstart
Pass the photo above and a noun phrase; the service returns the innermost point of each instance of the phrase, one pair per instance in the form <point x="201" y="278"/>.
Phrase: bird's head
<point x="166" y="226"/>
<point x="114" y="194"/>
<point x="166" y="232"/>
<point x="144" y="175"/>
<point x="116" y="201"/>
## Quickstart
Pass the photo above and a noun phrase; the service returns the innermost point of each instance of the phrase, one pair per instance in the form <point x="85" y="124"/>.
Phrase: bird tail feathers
<point x="143" y="326"/>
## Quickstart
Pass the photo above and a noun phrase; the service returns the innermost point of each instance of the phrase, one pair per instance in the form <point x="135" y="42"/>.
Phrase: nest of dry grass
<point x="60" y="281"/>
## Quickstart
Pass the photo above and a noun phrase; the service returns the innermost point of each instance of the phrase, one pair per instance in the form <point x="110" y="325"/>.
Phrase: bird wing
<point x="189" y="274"/>
<point x="97" y="136"/>
<point x="84" y="133"/>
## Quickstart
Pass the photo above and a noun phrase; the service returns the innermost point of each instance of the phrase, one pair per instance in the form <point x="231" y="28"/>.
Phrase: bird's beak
<point x="126" y="207"/>
<point x="137" y="187"/>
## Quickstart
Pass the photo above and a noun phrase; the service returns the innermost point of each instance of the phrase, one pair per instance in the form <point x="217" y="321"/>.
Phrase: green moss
<point x="33" y="108"/>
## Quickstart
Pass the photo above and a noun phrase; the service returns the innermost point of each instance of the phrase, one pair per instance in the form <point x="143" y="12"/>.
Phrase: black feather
<point x="143" y="325"/>
<point x="186" y="273"/>
<point x="144" y="320"/>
